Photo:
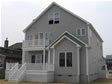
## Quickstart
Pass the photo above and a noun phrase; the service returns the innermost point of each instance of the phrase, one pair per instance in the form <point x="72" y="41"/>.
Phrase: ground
<point x="99" y="81"/>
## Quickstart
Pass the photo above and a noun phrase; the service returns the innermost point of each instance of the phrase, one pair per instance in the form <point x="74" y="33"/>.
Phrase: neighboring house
<point x="8" y="54"/>
<point x="60" y="46"/>
<point x="109" y="62"/>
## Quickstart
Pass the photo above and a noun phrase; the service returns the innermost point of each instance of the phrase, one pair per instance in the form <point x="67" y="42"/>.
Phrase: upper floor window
<point x="56" y="18"/>
<point x="50" y="18"/>
<point x="53" y="18"/>
<point x="81" y="32"/>
<point x="41" y="36"/>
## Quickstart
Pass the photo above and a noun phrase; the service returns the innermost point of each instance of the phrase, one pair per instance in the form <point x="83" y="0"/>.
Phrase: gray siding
<point x="67" y="23"/>
<point x="66" y="45"/>
<point x="95" y="56"/>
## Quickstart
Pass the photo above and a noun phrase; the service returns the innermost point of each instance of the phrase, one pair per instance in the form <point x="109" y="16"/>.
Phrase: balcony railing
<point x="35" y="43"/>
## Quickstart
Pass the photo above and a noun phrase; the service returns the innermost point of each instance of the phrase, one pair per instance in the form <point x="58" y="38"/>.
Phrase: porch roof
<point x="70" y="37"/>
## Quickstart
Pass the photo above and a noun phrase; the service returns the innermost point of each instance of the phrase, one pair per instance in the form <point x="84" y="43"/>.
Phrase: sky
<point x="16" y="15"/>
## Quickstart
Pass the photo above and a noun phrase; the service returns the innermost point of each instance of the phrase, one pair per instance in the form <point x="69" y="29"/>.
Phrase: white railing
<point x="21" y="71"/>
<point x="35" y="43"/>
<point x="13" y="70"/>
<point x="39" y="67"/>
<point x="9" y="65"/>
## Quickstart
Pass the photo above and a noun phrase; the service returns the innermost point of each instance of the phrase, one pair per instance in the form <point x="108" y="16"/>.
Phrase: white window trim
<point x="65" y="58"/>
<point x="53" y="16"/>
<point x="80" y="32"/>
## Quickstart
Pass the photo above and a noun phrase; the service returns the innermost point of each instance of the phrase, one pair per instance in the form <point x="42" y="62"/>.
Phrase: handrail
<point x="21" y="71"/>
<point x="13" y="70"/>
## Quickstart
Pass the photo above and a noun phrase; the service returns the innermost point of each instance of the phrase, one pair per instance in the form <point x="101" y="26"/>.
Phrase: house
<point x="60" y="46"/>
<point x="8" y="54"/>
<point x="109" y="62"/>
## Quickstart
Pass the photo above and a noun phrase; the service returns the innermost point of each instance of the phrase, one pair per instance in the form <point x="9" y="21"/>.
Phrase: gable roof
<point x="70" y="37"/>
<point x="15" y="46"/>
<point x="52" y="4"/>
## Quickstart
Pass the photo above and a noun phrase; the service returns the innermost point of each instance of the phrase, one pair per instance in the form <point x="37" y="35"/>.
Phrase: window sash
<point x="62" y="60"/>
<point x="65" y="59"/>
<point x="81" y="32"/>
<point x="41" y="36"/>
<point x="69" y="59"/>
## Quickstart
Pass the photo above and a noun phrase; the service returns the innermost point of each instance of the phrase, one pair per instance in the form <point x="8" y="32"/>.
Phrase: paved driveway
<point x="99" y="81"/>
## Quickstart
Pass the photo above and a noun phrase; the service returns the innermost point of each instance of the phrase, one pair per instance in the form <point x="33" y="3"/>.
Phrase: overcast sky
<point x="17" y="14"/>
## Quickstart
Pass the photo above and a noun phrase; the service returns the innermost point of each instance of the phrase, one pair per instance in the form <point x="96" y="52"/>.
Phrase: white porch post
<point x="23" y="57"/>
<point x="78" y="64"/>
<point x="53" y="55"/>
<point x="49" y="56"/>
<point x="87" y="69"/>
<point x="44" y="60"/>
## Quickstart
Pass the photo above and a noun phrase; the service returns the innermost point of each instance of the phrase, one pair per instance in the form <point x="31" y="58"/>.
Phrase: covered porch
<point x="37" y="60"/>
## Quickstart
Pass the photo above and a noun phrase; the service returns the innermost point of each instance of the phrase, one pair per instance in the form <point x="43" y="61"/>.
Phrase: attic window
<point x="56" y="18"/>
<point x="50" y="18"/>
<point x="53" y="18"/>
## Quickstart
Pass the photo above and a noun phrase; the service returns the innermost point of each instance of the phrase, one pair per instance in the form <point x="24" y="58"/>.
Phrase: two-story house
<point x="60" y="46"/>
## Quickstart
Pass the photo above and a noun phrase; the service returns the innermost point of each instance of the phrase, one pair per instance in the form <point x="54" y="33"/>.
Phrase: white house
<point x="60" y="46"/>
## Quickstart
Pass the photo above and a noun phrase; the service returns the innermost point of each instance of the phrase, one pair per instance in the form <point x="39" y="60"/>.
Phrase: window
<point x="33" y="59"/>
<point x="69" y="59"/>
<point x="65" y="59"/>
<point x="36" y="36"/>
<point x="41" y="35"/>
<point x="46" y="36"/>
<point x="81" y="32"/>
<point x="62" y="59"/>
<point x="56" y="18"/>
<point x="50" y="18"/>
<point x="53" y="18"/>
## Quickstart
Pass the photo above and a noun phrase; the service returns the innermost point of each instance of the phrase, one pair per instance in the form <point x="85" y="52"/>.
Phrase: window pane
<point x="78" y="31"/>
<point x="50" y="18"/>
<point x="36" y="36"/>
<point x="56" y="18"/>
<point x="69" y="59"/>
<point x="33" y="59"/>
<point x="46" y="36"/>
<point x="83" y="32"/>
<point x="41" y="35"/>
<point x="62" y="60"/>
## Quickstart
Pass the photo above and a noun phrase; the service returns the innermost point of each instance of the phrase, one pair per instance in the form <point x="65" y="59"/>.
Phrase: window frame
<point x="65" y="52"/>
<point x="81" y="32"/>
<point x="53" y="17"/>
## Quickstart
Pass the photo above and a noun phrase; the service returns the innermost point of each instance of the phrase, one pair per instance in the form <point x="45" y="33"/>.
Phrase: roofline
<point x="69" y="34"/>
<point x="53" y="3"/>
<point x="93" y="29"/>
<point x="62" y="39"/>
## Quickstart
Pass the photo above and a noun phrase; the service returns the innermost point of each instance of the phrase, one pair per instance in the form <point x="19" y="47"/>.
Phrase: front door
<point x="39" y="58"/>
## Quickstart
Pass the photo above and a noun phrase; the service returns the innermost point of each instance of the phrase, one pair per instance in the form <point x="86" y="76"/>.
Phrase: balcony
<point x="35" y="43"/>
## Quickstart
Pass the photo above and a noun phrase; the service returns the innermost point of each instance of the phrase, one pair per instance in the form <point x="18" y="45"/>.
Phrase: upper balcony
<point x="35" y="43"/>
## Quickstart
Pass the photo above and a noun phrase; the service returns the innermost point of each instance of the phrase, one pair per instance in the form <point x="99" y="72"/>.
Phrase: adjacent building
<point x="9" y="54"/>
<point x="109" y="62"/>
<point x="60" y="46"/>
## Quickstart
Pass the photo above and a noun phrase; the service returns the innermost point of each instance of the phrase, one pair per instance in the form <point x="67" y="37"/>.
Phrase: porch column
<point x="48" y="56"/>
<point x="53" y="55"/>
<point x="23" y="57"/>
<point x="78" y="64"/>
<point x="44" y="60"/>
